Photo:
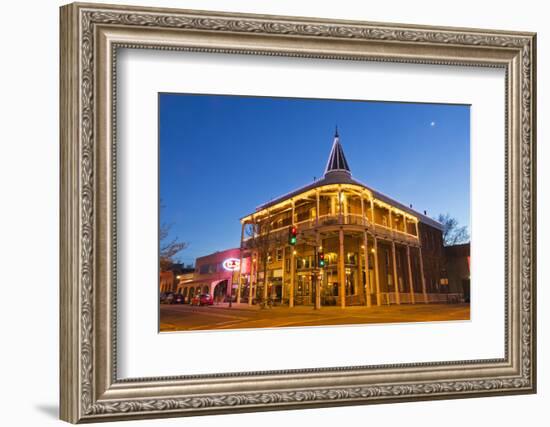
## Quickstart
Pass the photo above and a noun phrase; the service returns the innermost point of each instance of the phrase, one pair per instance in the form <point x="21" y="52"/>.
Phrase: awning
<point x="192" y="283"/>
<point x="200" y="282"/>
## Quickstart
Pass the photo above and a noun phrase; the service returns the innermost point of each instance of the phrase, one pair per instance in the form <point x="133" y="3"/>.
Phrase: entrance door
<point x="303" y="290"/>
<point x="220" y="291"/>
<point x="330" y="287"/>
<point x="276" y="289"/>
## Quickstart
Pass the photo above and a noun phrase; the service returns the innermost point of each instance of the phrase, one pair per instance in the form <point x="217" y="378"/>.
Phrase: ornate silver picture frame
<point x="91" y="390"/>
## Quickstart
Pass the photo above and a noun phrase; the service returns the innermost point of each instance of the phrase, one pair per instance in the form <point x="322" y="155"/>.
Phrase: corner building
<point x="377" y="251"/>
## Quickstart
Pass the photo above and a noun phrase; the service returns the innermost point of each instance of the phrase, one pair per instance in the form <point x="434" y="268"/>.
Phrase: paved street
<point x="185" y="317"/>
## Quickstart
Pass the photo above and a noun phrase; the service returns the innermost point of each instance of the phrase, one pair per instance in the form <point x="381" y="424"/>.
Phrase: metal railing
<point x="349" y="219"/>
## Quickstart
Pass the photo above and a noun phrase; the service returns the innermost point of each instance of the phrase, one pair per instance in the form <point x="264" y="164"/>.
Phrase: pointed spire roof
<point x="337" y="160"/>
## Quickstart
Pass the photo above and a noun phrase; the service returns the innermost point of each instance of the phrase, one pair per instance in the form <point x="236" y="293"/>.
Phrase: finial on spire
<point x="336" y="160"/>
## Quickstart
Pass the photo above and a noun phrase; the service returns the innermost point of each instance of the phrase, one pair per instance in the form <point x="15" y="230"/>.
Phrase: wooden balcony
<point x="353" y="220"/>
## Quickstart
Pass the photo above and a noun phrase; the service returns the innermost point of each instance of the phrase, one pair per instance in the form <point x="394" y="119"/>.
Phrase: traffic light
<point x="292" y="235"/>
<point x="321" y="259"/>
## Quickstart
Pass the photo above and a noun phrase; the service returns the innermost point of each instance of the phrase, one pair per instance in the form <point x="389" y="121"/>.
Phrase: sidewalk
<point x="239" y="306"/>
<point x="333" y="308"/>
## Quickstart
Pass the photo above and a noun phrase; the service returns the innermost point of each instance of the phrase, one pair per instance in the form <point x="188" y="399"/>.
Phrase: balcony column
<point x="292" y="267"/>
<point x="253" y="268"/>
<point x="341" y="270"/>
<point x="317" y="211"/>
<point x="266" y="254"/>
<point x="253" y="276"/>
<point x="284" y="274"/>
<point x="395" y="278"/>
<point x="340" y="204"/>
<point x="367" y="278"/>
<point x="360" y="281"/>
<point x="372" y="211"/>
<point x="345" y="208"/>
<point x="362" y="210"/>
<point x="239" y="281"/>
<point x="422" y="276"/>
<point x="376" y="273"/>
<point x="411" y="287"/>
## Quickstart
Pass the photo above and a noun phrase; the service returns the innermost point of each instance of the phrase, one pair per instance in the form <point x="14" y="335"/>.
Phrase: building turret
<point x="337" y="163"/>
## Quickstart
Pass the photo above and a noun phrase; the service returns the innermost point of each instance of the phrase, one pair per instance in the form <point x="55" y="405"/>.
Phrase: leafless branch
<point x="453" y="234"/>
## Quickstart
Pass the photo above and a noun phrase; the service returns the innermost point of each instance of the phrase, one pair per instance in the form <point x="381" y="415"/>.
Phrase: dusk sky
<point x="222" y="156"/>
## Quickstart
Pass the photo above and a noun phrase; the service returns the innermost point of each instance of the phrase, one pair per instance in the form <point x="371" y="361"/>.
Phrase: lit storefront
<point x="215" y="274"/>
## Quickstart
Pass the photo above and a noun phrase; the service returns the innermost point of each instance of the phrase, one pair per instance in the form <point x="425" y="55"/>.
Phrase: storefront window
<point x="351" y="258"/>
<point x="332" y="258"/>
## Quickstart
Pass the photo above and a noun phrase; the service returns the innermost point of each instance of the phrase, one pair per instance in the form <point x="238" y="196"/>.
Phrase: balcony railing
<point x="350" y="219"/>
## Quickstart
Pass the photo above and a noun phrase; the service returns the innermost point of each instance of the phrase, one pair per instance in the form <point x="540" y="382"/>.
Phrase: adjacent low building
<point x="170" y="277"/>
<point x="215" y="274"/>
<point x="457" y="264"/>
<point x="167" y="281"/>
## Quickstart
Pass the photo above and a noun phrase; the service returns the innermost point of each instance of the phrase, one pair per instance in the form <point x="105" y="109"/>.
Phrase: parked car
<point x="178" y="299"/>
<point x="202" y="299"/>
<point x="166" y="297"/>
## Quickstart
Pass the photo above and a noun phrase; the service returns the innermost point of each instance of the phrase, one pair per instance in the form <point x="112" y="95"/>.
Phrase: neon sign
<point x="231" y="264"/>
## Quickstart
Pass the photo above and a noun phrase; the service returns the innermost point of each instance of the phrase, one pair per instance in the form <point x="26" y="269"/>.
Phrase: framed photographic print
<point x="265" y="212"/>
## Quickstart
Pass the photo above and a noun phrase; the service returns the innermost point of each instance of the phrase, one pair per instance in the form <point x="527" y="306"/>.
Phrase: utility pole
<point x="231" y="290"/>
<point x="317" y="290"/>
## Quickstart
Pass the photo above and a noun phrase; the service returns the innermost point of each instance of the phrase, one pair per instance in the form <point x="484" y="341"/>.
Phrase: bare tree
<point x="259" y="242"/>
<point x="168" y="247"/>
<point x="262" y="240"/>
<point x="453" y="233"/>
